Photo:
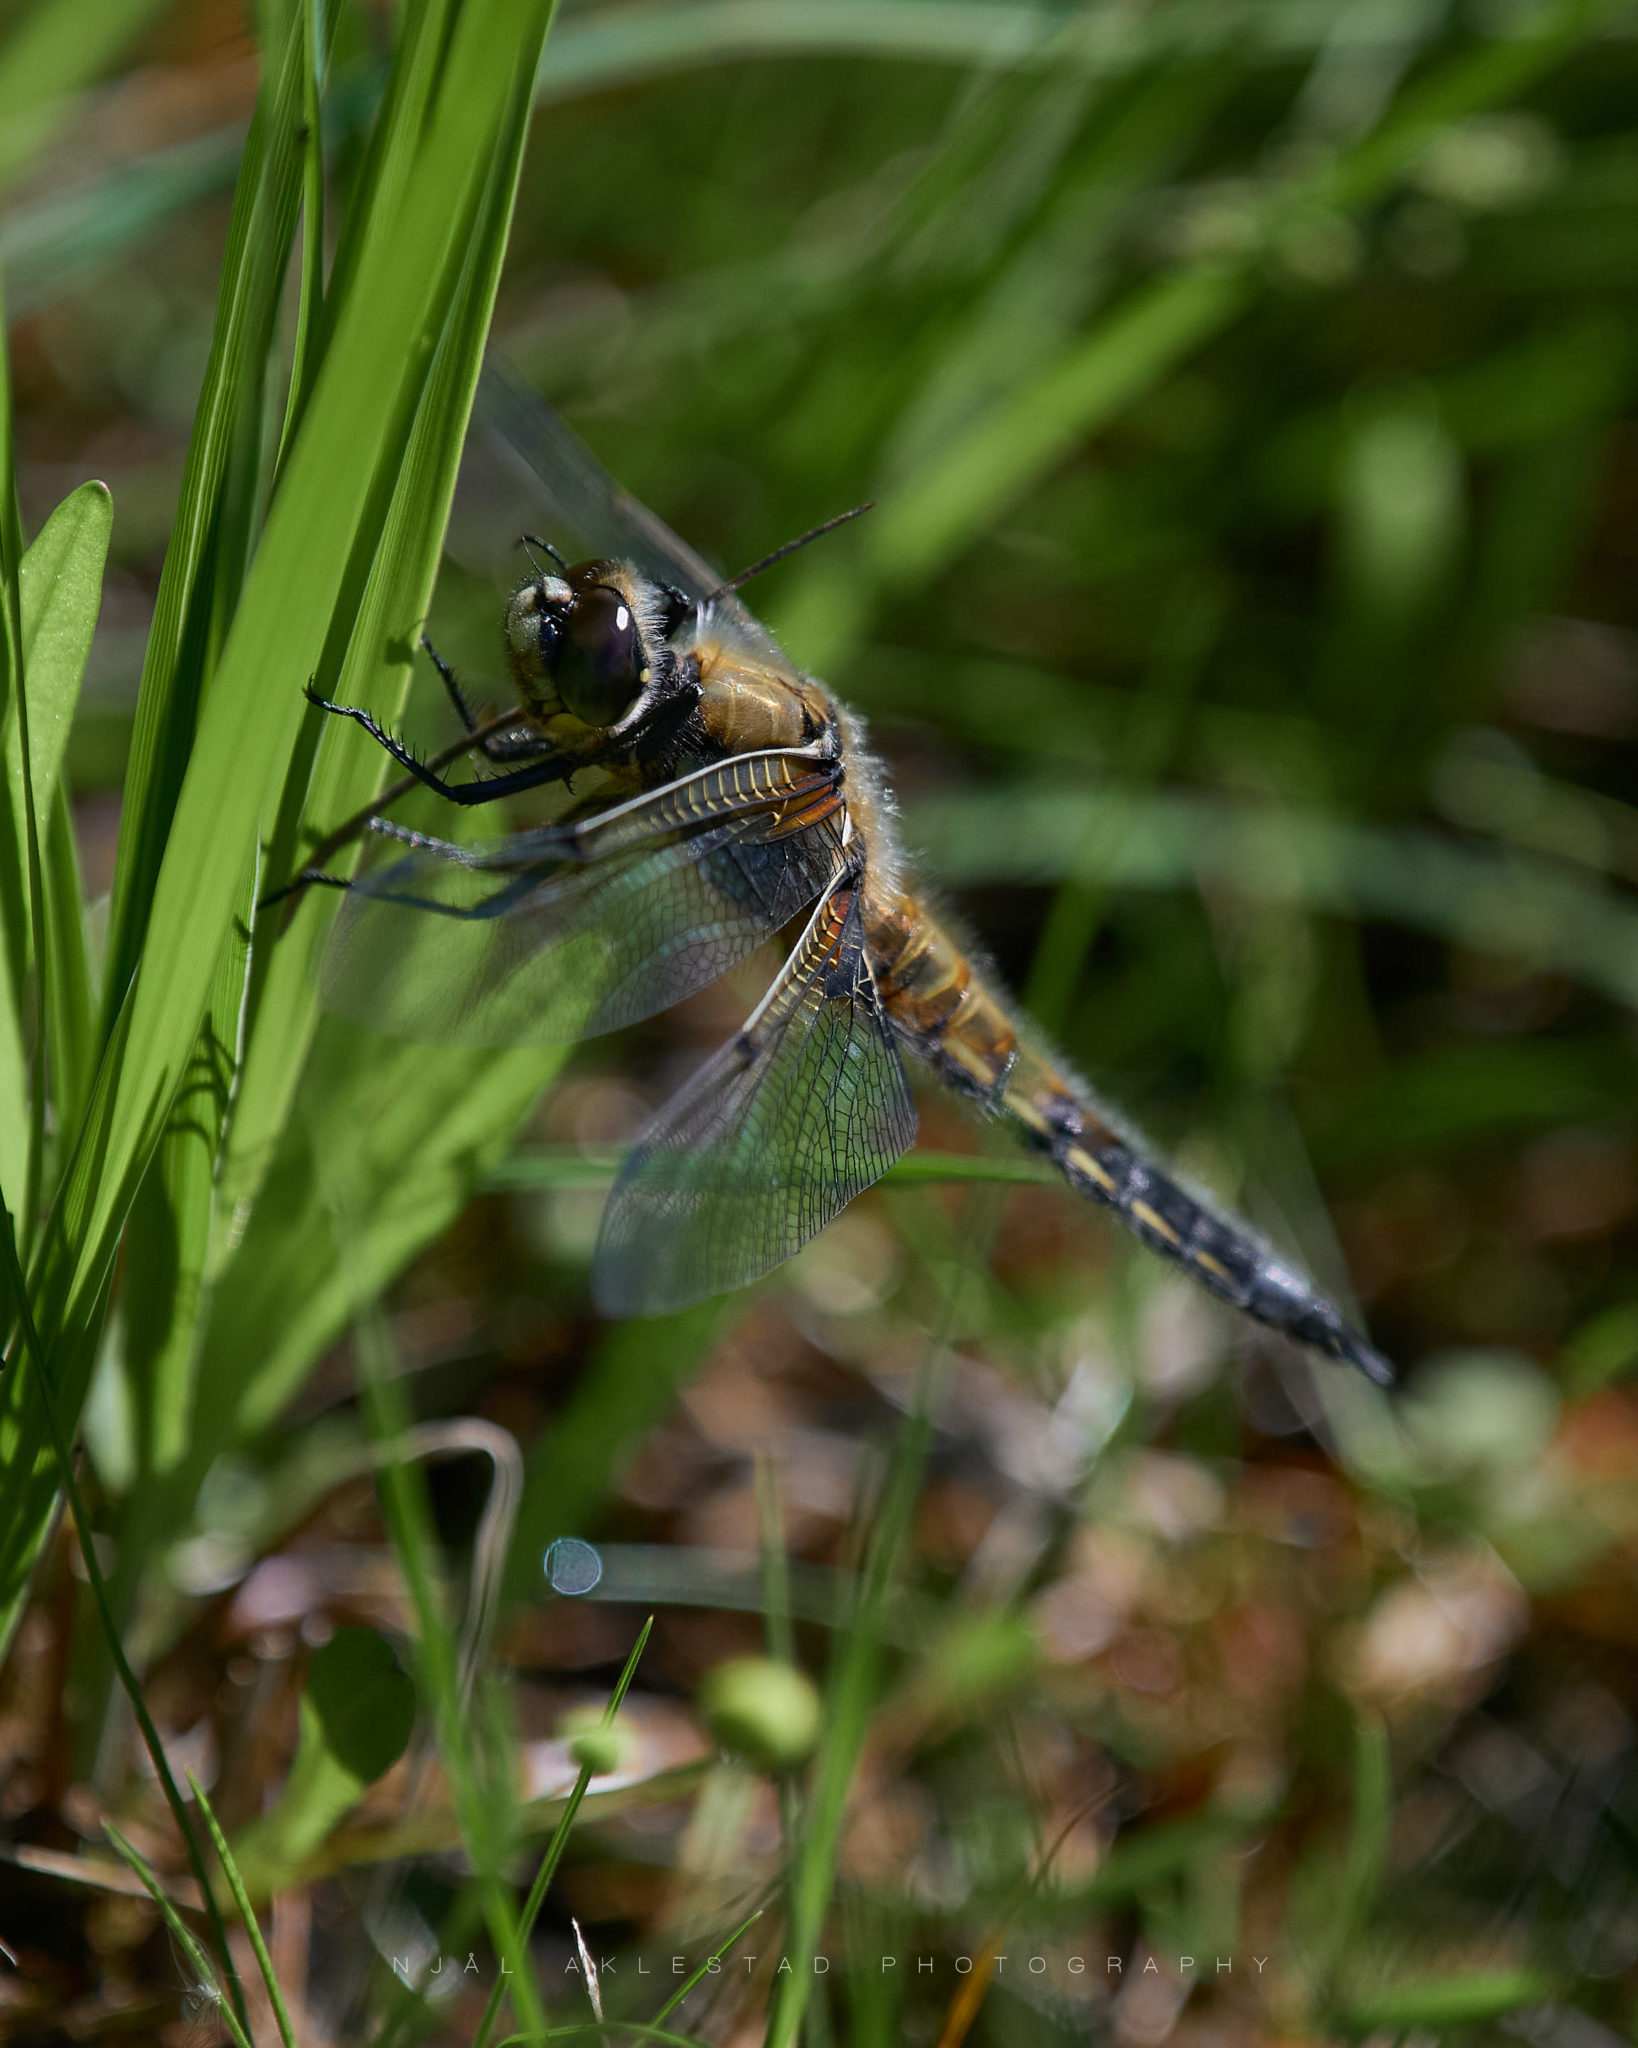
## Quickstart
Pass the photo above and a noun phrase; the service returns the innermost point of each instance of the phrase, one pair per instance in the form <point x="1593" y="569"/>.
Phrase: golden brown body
<point x="733" y="796"/>
<point x="946" y="1009"/>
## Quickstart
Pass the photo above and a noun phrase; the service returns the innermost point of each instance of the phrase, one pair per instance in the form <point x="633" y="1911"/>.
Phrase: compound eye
<point x="599" y="657"/>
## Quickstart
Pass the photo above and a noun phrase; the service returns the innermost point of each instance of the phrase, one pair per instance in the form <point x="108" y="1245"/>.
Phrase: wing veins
<point x="777" y="1132"/>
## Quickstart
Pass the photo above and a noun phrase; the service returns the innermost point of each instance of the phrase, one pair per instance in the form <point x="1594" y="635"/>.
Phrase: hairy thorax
<point x="746" y="706"/>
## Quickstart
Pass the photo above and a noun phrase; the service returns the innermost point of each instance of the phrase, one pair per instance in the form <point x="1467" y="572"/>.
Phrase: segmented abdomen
<point x="950" y="1016"/>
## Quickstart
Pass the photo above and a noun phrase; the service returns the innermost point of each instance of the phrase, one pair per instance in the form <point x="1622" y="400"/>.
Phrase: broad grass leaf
<point x="60" y="587"/>
<point x="60" y="583"/>
<point x="199" y="587"/>
<point x="329" y="507"/>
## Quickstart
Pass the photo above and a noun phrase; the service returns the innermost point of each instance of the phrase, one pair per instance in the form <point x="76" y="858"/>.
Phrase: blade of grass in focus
<point x="61" y="592"/>
<point x="332" y="499"/>
<point x="560" y="1838"/>
<point x="247" y="1916"/>
<point x="60" y="587"/>
<point x="200" y="585"/>
<point x="204" y="1974"/>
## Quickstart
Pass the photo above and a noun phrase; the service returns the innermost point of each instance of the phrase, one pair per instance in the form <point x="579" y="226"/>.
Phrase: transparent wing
<point x="797" y="1114"/>
<point x="529" y="471"/>
<point x="528" y="942"/>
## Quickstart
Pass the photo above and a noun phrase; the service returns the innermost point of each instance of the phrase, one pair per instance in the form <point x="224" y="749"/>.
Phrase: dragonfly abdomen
<point x="1223" y="1256"/>
<point x="943" y="1006"/>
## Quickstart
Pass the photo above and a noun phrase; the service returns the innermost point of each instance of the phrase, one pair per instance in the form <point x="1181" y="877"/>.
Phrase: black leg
<point x="457" y="696"/>
<point x="521" y="745"/>
<point x="465" y="793"/>
<point x="309" y="878"/>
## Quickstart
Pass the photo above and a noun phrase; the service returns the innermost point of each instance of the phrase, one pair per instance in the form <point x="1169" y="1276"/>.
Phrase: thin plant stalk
<point x="560" y="1835"/>
<point x="247" y="1913"/>
<point x="99" y="1594"/>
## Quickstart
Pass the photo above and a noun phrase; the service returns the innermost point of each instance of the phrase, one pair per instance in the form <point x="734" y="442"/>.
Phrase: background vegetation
<point x="1246" y="391"/>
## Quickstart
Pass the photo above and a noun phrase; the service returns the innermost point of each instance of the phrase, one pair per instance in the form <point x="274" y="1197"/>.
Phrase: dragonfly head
<point x="590" y="640"/>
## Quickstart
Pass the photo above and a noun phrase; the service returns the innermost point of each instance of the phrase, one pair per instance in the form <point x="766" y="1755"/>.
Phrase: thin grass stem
<point x="560" y="1835"/>
<point x="247" y="1913"/>
<point x="99" y="1594"/>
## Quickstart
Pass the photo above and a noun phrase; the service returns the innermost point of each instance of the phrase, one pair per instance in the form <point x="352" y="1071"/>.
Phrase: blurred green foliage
<point x="1247" y="392"/>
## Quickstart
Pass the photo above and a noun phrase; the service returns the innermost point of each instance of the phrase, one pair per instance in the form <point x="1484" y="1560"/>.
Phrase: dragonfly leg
<point x="424" y="842"/>
<point x="457" y="696"/>
<point x="321" y="878"/>
<point x="552" y="769"/>
<point x="519" y="745"/>
<point x="308" y="878"/>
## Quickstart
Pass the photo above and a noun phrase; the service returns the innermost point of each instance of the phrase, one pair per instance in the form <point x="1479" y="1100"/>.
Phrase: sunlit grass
<point x="1242" y="617"/>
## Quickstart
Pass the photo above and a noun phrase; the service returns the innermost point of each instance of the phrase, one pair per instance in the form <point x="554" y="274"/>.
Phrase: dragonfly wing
<point x="777" y="1132"/>
<point x="578" y="928"/>
<point x="468" y="953"/>
<point x="571" y="488"/>
<point x="524" y="456"/>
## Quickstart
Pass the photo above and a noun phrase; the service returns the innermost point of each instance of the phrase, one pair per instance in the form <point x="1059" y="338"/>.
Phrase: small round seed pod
<point x="765" y="1712"/>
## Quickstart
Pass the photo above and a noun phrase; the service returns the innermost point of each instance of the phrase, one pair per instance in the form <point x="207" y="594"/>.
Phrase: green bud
<point x="592" y="1745"/>
<point x="767" y="1713"/>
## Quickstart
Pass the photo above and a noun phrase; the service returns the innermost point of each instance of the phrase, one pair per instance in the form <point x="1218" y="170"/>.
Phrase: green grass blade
<point x="715" y="1957"/>
<point x="483" y="1801"/>
<point x="58" y="589"/>
<point x="60" y="585"/>
<point x="246" y="1912"/>
<point x="927" y="517"/>
<point x="198" y="1961"/>
<point x="603" y="2030"/>
<point x="197" y="588"/>
<point x="1345" y="1896"/>
<point x="1513" y="904"/>
<point x="776" y="1564"/>
<point x="936" y="513"/>
<point x="60" y="592"/>
<point x="16" y="1287"/>
<point x="389" y="156"/>
<point x="170" y="1228"/>
<point x="850" y="1691"/>
<point x="1461" y="2001"/>
<point x="22" y="864"/>
<point x="374" y="671"/>
<point x="560" y="1838"/>
<point x="310" y="306"/>
<point x="71" y="1021"/>
<point x="49" y="243"/>
<point x="334" y="493"/>
<point x="617" y="46"/>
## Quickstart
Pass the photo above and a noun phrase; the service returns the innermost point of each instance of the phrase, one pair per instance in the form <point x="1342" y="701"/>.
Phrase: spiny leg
<point x="519" y="745"/>
<point x="551" y="769"/>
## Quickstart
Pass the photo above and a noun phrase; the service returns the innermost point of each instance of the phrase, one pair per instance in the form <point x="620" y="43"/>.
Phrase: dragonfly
<point x="733" y="799"/>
